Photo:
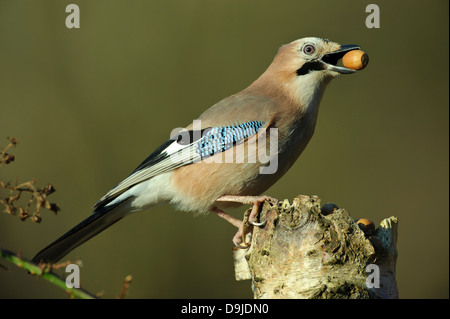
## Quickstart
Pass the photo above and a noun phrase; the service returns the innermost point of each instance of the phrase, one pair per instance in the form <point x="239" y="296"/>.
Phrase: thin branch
<point x="125" y="287"/>
<point x="45" y="273"/>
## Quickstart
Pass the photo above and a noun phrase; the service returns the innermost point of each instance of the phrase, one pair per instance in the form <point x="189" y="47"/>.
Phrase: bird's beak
<point x="331" y="59"/>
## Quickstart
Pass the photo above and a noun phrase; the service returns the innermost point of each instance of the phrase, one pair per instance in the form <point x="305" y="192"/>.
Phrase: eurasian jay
<point x="214" y="163"/>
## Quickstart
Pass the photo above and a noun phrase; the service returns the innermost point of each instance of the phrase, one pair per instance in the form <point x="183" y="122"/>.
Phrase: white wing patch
<point x="174" y="156"/>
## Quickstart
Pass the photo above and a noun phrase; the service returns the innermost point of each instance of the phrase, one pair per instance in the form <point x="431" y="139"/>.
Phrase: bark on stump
<point x="303" y="252"/>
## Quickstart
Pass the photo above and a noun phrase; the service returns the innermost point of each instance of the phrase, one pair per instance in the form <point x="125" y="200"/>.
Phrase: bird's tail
<point x="101" y="219"/>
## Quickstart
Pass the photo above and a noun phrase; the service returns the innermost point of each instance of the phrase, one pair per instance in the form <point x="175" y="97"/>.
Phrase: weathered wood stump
<point x="305" y="252"/>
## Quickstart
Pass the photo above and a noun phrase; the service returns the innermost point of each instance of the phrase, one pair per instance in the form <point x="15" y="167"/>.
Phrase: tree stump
<point x="304" y="251"/>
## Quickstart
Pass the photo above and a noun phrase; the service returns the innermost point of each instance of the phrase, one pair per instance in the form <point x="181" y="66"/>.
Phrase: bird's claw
<point x="252" y="218"/>
<point x="242" y="239"/>
<point x="238" y="245"/>
<point x="260" y="224"/>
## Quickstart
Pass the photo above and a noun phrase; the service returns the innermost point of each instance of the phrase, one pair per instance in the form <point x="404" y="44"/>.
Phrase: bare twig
<point x="38" y="198"/>
<point x="6" y="158"/>
<point x="125" y="287"/>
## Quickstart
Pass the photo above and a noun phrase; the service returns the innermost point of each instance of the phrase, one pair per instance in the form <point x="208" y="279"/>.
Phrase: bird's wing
<point x="186" y="148"/>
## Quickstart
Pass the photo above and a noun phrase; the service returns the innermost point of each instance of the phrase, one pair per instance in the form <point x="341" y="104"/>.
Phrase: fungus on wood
<point x="308" y="251"/>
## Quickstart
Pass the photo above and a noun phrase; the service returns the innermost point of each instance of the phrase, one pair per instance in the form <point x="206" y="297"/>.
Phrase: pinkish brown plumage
<point x="238" y="149"/>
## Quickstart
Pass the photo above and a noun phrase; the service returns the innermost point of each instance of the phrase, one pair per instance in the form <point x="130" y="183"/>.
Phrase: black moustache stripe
<point x="310" y="66"/>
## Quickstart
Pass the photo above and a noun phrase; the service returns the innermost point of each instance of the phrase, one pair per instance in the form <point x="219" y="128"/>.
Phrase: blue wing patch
<point x="219" y="139"/>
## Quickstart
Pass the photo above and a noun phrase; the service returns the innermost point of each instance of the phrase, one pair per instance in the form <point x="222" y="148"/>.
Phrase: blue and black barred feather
<point x="220" y="139"/>
<point x="206" y="142"/>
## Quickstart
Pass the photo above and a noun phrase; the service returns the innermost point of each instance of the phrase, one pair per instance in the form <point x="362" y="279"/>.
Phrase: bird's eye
<point x="309" y="49"/>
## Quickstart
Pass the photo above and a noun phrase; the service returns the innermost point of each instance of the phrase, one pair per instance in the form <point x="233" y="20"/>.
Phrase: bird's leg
<point x="250" y="217"/>
<point x="256" y="201"/>
<point x="244" y="228"/>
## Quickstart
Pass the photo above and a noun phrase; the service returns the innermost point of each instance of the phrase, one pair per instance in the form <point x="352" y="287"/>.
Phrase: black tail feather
<point x="102" y="218"/>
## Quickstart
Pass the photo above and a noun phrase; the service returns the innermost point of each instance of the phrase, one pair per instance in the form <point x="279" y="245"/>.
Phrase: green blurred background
<point x="89" y="104"/>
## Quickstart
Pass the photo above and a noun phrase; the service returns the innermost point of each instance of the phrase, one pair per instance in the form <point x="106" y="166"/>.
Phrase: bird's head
<point x="322" y="55"/>
<point x="312" y="56"/>
<point x="305" y="66"/>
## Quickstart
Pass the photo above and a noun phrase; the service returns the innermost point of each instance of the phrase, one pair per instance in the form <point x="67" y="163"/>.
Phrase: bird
<point x="220" y="159"/>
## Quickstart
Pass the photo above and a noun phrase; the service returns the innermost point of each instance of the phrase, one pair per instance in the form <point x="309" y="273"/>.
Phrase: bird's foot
<point x="242" y="238"/>
<point x="256" y="201"/>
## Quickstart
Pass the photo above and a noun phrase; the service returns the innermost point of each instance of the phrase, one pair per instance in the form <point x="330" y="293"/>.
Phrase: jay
<point x="211" y="165"/>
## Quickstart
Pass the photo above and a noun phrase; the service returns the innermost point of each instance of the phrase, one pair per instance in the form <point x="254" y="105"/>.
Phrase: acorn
<point x="355" y="60"/>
